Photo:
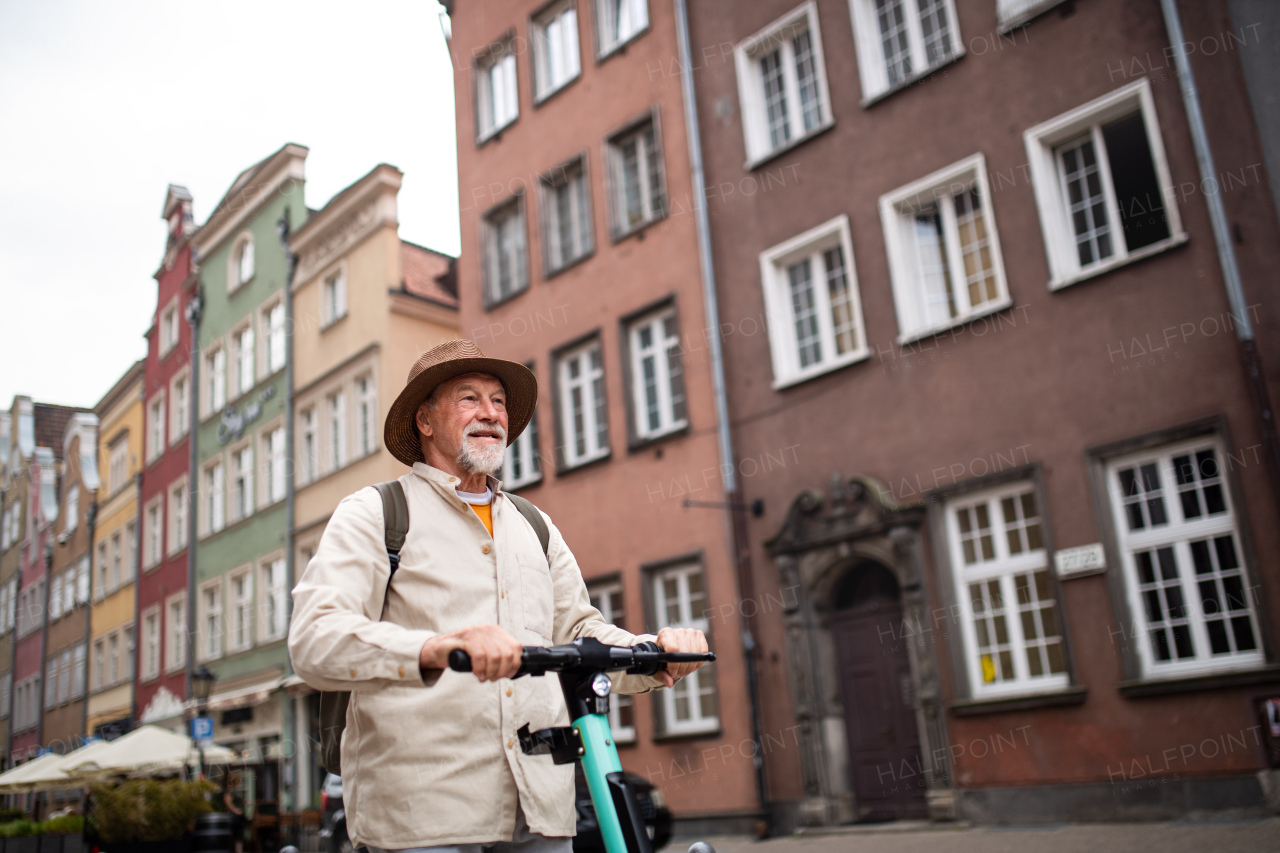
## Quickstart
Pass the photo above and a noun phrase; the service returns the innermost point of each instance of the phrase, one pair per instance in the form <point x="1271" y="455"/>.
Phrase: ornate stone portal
<point x="823" y="538"/>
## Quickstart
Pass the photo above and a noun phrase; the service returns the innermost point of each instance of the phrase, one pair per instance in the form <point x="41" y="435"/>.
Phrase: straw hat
<point x="440" y="364"/>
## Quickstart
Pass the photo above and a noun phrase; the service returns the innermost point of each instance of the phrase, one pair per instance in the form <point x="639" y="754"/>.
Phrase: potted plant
<point x="140" y="815"/>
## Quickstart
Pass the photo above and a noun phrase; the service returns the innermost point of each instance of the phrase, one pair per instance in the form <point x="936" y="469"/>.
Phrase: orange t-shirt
<point x="485" y="511"/>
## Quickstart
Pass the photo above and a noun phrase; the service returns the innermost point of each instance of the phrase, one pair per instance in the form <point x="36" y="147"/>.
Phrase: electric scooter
<point x="583" y="667"/>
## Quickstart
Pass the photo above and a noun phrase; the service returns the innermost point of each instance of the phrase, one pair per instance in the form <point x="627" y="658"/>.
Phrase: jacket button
<point x="402" y="672"/>
<point x="353" y="673"/>
<point x="508" y="691"/>
<point x="484" y="549"/>
<point x="510" y="744"/>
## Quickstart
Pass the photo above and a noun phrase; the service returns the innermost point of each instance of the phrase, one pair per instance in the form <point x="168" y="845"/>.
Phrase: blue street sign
<point x="202" y="728"/>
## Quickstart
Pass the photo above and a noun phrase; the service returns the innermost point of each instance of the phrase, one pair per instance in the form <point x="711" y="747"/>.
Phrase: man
<point x="430" y="757"/>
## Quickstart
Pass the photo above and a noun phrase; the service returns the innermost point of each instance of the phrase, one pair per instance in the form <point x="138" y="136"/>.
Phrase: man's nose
<point x="489" y="410"/>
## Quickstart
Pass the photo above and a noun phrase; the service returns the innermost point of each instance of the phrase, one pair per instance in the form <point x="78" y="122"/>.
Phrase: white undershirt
<point x="476" y="498"/>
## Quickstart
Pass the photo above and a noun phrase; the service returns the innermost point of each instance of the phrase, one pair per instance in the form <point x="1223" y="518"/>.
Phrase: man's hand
<point x="494" y="653"/>
<point x="680" y="640"/>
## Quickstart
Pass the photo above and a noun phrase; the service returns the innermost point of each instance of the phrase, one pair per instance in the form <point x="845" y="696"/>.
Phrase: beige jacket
<point x="439" y="762"/>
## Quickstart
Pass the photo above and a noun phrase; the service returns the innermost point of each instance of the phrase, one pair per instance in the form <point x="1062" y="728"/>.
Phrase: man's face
<point x="466" y="420"/>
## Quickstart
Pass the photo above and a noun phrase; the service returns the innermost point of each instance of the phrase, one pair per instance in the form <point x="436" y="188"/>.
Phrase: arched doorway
<point x="876" y="686"/>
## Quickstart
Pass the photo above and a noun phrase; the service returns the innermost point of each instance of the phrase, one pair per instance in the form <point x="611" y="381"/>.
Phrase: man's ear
<point x="420" y="418"/>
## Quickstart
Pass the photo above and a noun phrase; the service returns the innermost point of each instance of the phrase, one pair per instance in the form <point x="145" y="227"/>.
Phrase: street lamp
<point x="201" y="686"/>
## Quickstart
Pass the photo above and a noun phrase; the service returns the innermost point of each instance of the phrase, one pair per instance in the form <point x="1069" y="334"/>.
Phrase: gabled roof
<point x="51" y="423"/>
<point x="426" y="274"/>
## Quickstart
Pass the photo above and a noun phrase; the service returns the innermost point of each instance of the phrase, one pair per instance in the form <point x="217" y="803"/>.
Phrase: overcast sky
<point x="103" y="105"/>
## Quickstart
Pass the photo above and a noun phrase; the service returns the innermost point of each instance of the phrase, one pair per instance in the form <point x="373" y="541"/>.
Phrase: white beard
<point x="481" y="458"/>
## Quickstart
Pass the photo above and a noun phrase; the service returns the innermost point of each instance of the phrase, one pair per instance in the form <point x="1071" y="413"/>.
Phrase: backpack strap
<point x="535" y="519"/>
<point x="395" y="517"/>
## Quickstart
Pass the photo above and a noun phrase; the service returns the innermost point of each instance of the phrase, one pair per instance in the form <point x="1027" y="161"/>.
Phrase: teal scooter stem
<point x="582" y="666"/>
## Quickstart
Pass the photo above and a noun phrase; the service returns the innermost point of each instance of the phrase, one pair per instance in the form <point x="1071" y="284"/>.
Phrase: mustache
<point x="475" y="427"/>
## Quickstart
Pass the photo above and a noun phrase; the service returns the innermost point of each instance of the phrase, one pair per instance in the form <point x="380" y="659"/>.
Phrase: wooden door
<point x="875" y="682"/>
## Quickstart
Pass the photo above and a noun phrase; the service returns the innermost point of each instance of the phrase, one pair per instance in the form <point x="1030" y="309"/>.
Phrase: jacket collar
<point x="450" y="482"/>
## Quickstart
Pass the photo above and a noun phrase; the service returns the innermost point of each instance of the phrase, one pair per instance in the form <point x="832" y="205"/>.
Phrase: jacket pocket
<point x="538" y="597"/>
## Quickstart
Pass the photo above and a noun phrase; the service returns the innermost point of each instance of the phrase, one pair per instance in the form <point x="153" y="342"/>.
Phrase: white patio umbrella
<point x="51" y="775"/>
<point x="147" y="749"/>
<point x="19" y="779"/>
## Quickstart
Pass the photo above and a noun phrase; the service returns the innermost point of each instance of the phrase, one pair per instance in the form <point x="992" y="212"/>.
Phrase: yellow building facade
<point x="112" y="618"/>
<point x="366" y="305"/>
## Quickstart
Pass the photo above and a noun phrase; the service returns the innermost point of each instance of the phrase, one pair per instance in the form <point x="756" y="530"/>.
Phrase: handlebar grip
<point x="459" y="661"/>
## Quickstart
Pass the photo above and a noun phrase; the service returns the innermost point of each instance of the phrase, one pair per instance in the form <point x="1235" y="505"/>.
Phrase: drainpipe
<point x="288" y="711"/>
<point x="137" y="605"/>
<point x="738" y="538"/>
<point x="91" y="522"/>
<point x="195" y="307"/>
<point x="1226" y="250"/>
<point x="44" y="635"/>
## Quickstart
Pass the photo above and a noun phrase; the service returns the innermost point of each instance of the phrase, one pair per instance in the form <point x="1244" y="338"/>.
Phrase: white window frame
<point x="308" y="445"/>
<point x="747" y="55"/>
<point x="366" y="396"/>
<point x="510" y="211"/>
<point x="213" y="496"/>
<point x="601" y="597"/>
<point x="660" y="351"/>
<point x="73" y="509"/>
<point x="215" y="384"/>
<point x="524" y="450"/>
<point x="1179" y="533"/>
<point x="240" y="263"/>
<point x="783" y="344"/>
<point x="153" y="519"/>
<point x="180" y="410"/>
<point x="83" y="583"/>
<point x="240" y="481"/>
<point x="606" y="16"/>
<point x="177" y="496"/>
<point x="1002" y="568"/>
<point x="333" y="297"/>
<point x="693" y="684"/>
<point x="118" y="464"/>
<point x="1015" y="13"/>
<point x="274" y="599"/>
<point x="151" y="643"/>
<point x="275" y="340"/>
<point x="897" y="210"/>
<point x="272" y="453"/>
<point x="617" y="178"/>
<point x="241" y="610"/>
<point x="168" y="331"/>
<point x="586" y="382"/>
<point x="869" y="47"/>
<point x="336" y="422"/>
<point x="210" y="637"/>
<point x="1059" y="236"/>
<point x="129" y="564"/>
<point x="495" y="112"/>
<point x="55" y="597"/>
<point x="571" y="174"/>
<point x="175" y="632"/>
<point x="156" y="413"/>
<point x="565" y="47"/>
<point x="243" y="360"/>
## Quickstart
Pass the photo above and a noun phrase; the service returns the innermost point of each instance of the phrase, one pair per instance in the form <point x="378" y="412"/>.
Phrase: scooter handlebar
<point x="644" y="658"/>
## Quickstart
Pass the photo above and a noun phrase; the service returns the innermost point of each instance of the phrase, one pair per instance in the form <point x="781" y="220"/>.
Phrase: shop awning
<point x="245" y="697"/>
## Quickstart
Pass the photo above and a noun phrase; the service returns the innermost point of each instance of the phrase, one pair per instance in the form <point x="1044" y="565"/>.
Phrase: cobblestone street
<point x="1251" y="836"/>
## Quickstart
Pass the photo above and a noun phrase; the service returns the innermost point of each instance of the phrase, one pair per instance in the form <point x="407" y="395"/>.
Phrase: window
<point x="506" y="270"/>
<point x="73" y="508"/>
<point x="901" y="40"/>
<point x="69" y="590"/>
<point x="175" y="652"/>
<point x="1012" y="13"/>
<point x="55" y="597"/>
<point x="155" y="428"/>
<point x="177" y="517"/>
<point x="238" y="636"/>
<point x="1011" y="624"/>
<point x="657" y="375"/>
<point x="151" y="643"/>
<point x="566" y="215"/>
<point x="944" y="253"/>
<point x="242" y="483"/>
<point x="216" y="384"/>
<point x="333" y="298"/>
<point x="366" y="414"/>
<point x="275" y="600"/>
<point x="215" y="506"/>
<point x="782" y="83"/>
<point x="51" y="683"/>
<point x="637" y="190"/>
<point x="584" y="424"/>
<point x="152" y="530"/>
<point x="168" y="329"/>
<point x="497" y="98"/>
<point x="127" y="651"/>
<point x="276" y="340"/>
<point x="813" y="304"/>
<point x="522" y="464"/>
<point x="309" y="463"/>
<point x="179" y="411"/>
<point x="118" y="464"/>
<point x="680" y="601"/>
<point x="607" y="598"/>
<point x="619" y="21"/>
<point x="82" y="582"/>
<point x="117" y="559"/>
<point x="1102" y="185"/>
<point x="113" y="658"/>
<point x="78" y="670"/>
<point x="129" y="566"/>
<point x="211" y="621"/>
<point x="242" y="344"/>
<point x="336" y="404"/>
<point x="555" y="48"/>
<point x="273" y="465"/>
<point x="6" y="687"/>
<point x="104" y="564"/>
<point x="1188" y="592"/>
<point x="241" y="265"/>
